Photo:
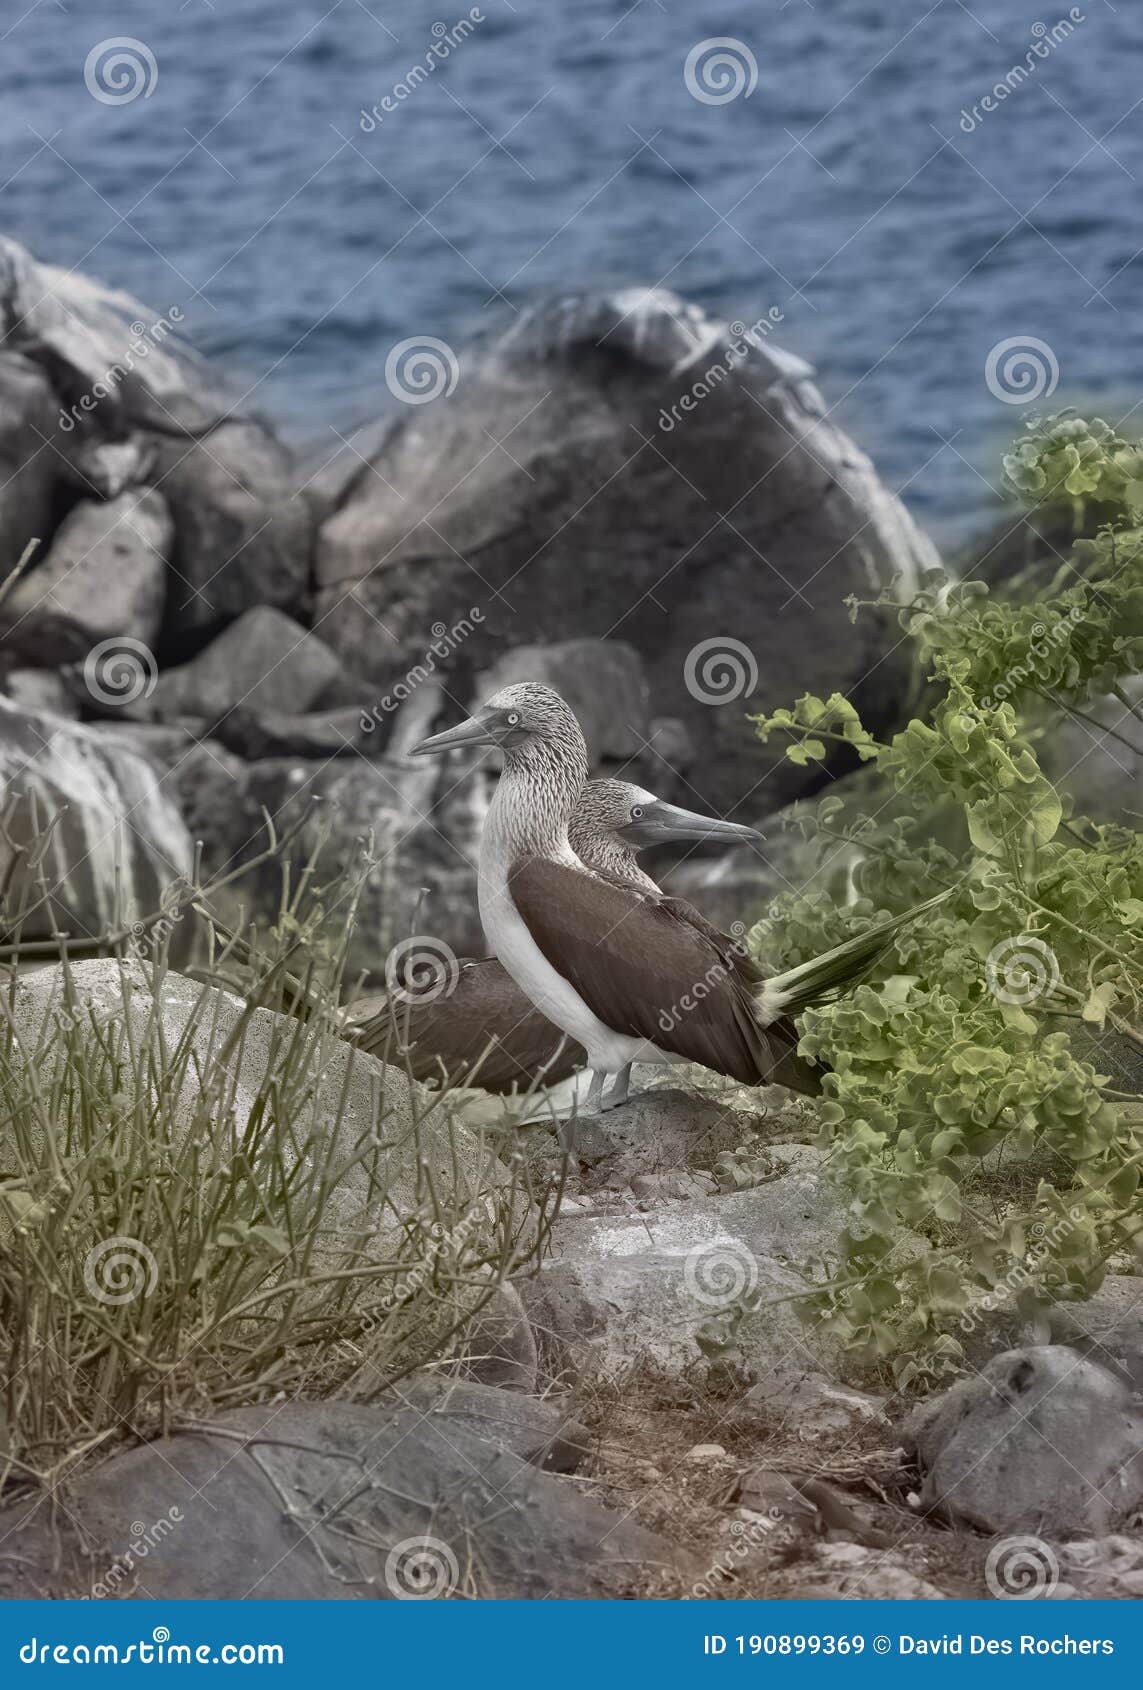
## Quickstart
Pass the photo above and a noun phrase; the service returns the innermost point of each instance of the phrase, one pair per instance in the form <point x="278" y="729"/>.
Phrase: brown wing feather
<point x="484" y="1032"/>
<point x="644" y="968"/>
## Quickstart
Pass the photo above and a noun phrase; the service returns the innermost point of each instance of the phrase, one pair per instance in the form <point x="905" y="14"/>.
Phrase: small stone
<point x="699" y="1453"/>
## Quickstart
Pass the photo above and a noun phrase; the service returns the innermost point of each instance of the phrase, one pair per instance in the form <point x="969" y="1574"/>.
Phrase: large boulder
<point x="1041" y="1441"/>
<point x="343" y="1096"/>
<point x="118" y="839"/>
<point x="106" y="569"/>
<point x="717" y="534"/>
<point x="331" y="1502"/>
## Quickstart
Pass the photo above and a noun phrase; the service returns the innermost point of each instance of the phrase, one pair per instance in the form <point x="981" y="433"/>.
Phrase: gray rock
<point x="657" y="1133"/>
<point x="119" y="840"/>
<point x="40" y="689"/>
<point x="602" y="680"/>
<point x="1099" y="763"/>
<point x="30" y="472"/>
<point x="720" y="1278"/>
<point x="1041" y="1441"/>
<point x="326" y="1501"/>
<point x="348" y="1087"/>
<point x="1106" y="1328"/>
<point x="106" y="568"/>
<point x="595" y="520"/>
<point x="244" y="534"/>
<point x="90" y="335"/>
<point x="258" y="734"/>
<point x="1102" y="1569"/>
<point x="812" y="1407"/>
<point x="539" y="1430"/>
<point x="500" y="1346"/>
<point x="263" y="661"/>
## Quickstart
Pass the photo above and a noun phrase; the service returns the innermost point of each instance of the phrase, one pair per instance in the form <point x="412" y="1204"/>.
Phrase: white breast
<point x="553" y="996"/>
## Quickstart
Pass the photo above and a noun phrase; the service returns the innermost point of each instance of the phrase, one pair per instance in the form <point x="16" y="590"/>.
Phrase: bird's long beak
<point x="474" y="730"/>
<point x="661" y="822"/>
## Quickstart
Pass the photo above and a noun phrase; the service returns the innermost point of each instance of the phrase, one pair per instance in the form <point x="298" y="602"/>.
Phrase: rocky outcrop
<point x="244" y="532"/>
<point x="718" y="536"/>
<point x="125" y="405"/>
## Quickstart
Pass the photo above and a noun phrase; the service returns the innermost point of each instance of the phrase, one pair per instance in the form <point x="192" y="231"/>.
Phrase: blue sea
<point x="559" y="142"/>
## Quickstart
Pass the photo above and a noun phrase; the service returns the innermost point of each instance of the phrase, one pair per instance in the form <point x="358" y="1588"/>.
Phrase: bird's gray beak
<point x="661" y="822"/>
<point x="475" y="730"/>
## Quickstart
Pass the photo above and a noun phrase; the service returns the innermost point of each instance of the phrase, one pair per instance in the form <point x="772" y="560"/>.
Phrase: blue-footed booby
<point x="630" y="977"/>
<point x="482" y="1028"/>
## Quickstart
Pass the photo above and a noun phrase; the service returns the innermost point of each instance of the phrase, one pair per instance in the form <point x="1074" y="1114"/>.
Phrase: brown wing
<point x="642" y="967"/>
<point x="787" y="1067"/>
<point x="484" y="1032"/>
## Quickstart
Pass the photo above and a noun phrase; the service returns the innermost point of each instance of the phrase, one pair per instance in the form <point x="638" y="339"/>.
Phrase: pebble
<point x="706" y="1452"/>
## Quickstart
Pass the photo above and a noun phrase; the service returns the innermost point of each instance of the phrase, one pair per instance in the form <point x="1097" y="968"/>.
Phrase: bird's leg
<point x="593" y="1102"/>
<point x="618" y="1093"/>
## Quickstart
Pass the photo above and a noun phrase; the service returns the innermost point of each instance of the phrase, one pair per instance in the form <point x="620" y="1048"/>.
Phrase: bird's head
<point x="514" y="718"/>
<point x="639" y="819"/>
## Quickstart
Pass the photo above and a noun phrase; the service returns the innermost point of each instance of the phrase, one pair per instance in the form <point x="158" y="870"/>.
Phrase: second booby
<point x="481" y="1028"/>
<point x="629" y="977"/>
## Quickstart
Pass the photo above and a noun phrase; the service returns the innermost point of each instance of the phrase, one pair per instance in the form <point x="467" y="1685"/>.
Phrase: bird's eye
<point x="637" y="813"/>
<point x="513" y="718"/>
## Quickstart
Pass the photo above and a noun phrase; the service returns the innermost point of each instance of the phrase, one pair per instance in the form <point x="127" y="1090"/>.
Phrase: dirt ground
<point x="855" y="1535"/>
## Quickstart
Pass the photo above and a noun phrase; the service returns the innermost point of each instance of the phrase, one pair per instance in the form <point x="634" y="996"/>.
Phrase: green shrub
<point x="970" y="1063"/>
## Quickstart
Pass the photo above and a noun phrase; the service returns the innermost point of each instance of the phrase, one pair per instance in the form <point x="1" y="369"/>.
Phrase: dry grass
<point x="177" y="1236"/>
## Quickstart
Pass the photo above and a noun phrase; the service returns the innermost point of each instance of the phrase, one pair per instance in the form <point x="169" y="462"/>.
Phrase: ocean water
<point x="559" y="143"/>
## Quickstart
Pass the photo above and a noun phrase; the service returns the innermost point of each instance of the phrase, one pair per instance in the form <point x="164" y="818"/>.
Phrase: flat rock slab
<point x="657" y="1133"/>
<point x="1041" y="1441"/>
<point x="621" y="1291"/>
<point x="325" y="1501"/>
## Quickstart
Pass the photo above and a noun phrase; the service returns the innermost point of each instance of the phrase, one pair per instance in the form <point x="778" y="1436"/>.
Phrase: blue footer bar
<point x="573" y="1643"/>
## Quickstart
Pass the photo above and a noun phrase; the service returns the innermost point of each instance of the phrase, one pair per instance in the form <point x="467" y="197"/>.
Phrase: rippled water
<point x="559" y="144"/>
